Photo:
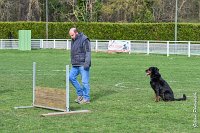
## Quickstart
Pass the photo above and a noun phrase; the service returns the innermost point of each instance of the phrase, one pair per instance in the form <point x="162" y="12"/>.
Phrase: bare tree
<point x="100" y="10"/>
<point x="164" y="10"/>
<point x="23" y="4"/>
<point x="20" y="10"/>
<point x="84" y="10"/>
<point x="198" y="9"/>
<point x="123" y="10"/>
<point x="7" y="10"/>
<point x="34" y="11"/>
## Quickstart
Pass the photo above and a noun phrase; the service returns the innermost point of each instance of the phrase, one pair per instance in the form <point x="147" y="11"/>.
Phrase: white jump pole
<point x="67" y="88"/>
<point x="34" y="81"/>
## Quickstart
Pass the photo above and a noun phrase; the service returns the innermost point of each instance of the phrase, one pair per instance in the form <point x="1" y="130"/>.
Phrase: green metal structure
<point x="24" y="40"/>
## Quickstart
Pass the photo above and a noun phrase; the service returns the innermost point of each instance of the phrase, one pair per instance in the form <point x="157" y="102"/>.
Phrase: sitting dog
<point x="160" y="86"/>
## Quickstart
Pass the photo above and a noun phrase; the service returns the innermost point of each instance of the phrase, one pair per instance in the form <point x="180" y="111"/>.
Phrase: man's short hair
<point x="74" y="30"/>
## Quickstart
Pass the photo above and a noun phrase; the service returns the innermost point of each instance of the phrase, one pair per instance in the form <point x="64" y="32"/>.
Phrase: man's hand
<point x="86" y="66"/>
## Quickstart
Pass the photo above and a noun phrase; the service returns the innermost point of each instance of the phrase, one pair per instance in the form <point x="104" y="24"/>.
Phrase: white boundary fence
<point x="137" y="46"/>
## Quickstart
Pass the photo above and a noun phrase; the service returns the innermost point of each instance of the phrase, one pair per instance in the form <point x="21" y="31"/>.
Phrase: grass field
<point x="121" y="97"/>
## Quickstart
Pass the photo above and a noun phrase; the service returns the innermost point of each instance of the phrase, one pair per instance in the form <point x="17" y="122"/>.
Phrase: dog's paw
<point x="157" y="99"/>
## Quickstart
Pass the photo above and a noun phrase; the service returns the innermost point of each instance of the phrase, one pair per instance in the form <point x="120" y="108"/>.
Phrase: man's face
<point x="72" y="34"/>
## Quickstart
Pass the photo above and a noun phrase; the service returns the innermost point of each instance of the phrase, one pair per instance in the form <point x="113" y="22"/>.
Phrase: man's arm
<point x="87" y="48"/>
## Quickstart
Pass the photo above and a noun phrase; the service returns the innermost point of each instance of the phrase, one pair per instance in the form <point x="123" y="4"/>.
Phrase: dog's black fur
<point x="161" y="87"/>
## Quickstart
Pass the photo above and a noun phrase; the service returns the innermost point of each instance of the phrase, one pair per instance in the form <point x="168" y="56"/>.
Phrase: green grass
<point x="121" y="96"/>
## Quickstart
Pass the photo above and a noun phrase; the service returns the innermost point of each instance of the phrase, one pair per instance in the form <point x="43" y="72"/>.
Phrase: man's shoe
<point x="79" y="98"/>
<point x="84" y="101"/>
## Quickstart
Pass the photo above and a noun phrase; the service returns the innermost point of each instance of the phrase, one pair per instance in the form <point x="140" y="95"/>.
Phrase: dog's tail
<point x="181" y="99"/>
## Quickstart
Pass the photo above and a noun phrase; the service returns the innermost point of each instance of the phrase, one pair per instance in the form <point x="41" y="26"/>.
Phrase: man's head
<point x="73" y="32"/>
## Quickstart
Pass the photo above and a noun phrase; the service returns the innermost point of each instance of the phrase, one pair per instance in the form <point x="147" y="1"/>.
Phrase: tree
<point x="85" y="10"/>
<point x="7" y="10"/>
<point x="125" y="11"/>
<point x="100" y="10"/>
<point x="164" y="10"/>
<point x="34" y="11"/>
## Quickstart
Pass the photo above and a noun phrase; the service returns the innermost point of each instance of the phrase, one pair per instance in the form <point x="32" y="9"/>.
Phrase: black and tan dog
<point x="160" y="86"/>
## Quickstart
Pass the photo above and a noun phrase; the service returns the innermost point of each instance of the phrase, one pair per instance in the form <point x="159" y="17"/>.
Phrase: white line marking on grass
<point x="173" y="81"/>
<point x="184" y="82"/>
<point x="189" y="96"/>
<point x="41" y="70"/>
<point x="59" y="70"/>
<point x="138" y="88"/>
<point x="121" y="84"/>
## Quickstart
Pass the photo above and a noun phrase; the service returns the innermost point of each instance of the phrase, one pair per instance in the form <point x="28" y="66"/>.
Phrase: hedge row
<point x="118" y="31"/>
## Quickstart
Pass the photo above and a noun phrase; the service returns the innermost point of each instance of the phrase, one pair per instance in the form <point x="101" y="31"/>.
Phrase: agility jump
<point x="52" y="98"/>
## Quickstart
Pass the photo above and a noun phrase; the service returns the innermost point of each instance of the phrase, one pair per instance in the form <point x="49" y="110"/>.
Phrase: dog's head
<point x="152" y="71"/>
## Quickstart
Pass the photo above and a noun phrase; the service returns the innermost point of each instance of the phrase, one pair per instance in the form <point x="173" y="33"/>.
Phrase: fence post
<point x="189" y="49"/>
<point x="41" y="43"/>
<point x="54" y="43"/>
<point x="1" y="44"/>
<point x="167" y="48"/>
<point x="147" y="47"/>
<point x="96" y="47"/>
<point x="130" y="47"/>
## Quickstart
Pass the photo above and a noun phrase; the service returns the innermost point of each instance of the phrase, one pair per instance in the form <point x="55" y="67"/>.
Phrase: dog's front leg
<point x="157" y="99"/>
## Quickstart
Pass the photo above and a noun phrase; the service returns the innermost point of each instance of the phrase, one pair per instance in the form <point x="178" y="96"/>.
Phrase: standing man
<point x="81" y="62"/>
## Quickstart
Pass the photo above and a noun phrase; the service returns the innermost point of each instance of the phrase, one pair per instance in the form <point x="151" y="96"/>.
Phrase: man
<point x="81" y="62"/>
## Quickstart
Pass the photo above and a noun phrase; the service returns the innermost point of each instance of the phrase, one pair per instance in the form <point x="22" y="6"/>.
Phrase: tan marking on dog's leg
<point x="157" y="98"/>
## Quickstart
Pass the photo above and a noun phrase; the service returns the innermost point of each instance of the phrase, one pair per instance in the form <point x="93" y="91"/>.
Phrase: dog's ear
<point x="157" y="74"/>
<point x="154" y="69"/>
<point x="157" y="69"/>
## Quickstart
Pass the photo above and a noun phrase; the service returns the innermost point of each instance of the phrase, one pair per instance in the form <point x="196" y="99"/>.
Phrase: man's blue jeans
<point x="84" y="89"/>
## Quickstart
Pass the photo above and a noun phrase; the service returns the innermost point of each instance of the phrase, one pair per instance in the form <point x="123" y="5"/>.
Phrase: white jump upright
<point x="67" y="88"/>
<point x="66" y="111"/>
<point x="34" y="81"/>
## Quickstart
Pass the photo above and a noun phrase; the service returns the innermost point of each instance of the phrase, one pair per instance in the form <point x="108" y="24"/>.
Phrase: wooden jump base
<point x="66" y="113"/>
<point x="52" y="98"/>
<point x="55" y="113"/>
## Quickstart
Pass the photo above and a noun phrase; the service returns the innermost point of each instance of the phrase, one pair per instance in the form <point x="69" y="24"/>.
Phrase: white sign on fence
<point x="119" y="46"/>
